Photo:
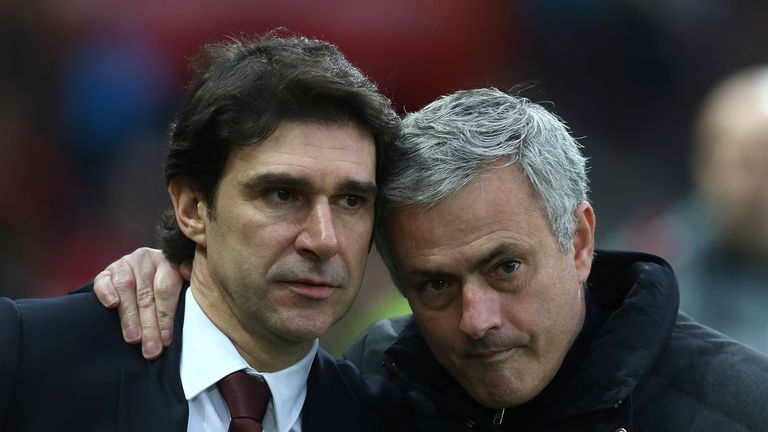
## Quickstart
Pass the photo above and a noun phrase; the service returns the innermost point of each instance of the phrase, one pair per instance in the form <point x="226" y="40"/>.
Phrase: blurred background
<point x="89" y="87"/>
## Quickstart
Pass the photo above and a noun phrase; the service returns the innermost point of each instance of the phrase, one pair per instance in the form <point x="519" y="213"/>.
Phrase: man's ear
<point x="584" y="240"/>
<point x="190" y="207"/>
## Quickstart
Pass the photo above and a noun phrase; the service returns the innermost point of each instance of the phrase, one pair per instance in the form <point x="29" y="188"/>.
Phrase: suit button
<point x="620" y="430"/>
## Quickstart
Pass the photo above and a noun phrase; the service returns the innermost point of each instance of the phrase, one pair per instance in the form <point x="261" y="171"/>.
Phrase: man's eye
<point x="436" y="294"/>
<point x="281" y="195"/>
<point x="505" y="269"/>
<point x="435" y="285"/>
<point x="352" y="201"/>
<point x="508" y="267"/>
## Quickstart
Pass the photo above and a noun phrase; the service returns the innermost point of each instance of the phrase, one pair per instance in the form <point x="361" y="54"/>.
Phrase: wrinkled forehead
<point x="498" y="204"/>
<point x="321" y="151"/>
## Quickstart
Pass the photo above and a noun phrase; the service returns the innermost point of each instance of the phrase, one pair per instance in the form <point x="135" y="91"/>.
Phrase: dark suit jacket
<point x="65" y="367"/>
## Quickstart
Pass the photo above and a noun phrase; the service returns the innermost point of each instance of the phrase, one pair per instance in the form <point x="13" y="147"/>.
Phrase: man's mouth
<point x="315" y="289"/>
<point x="489" y="354"/>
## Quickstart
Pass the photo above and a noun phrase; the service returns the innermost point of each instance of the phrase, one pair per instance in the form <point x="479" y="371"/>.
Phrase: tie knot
<point x="246" y="395"/>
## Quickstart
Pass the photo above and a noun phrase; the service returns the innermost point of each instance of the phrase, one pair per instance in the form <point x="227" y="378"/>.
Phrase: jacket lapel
<point x="333" y="403"/>
<point x="145" y="408"/>
<point x="151" y="397"/>
<point x="318" y="400"/>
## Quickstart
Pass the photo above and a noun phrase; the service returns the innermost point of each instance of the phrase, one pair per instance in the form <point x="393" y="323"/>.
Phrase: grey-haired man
<point x="518" y="324"/>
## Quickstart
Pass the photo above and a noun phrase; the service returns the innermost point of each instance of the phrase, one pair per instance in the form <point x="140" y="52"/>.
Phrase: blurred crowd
<point x="716" y="235"/>
<point x="88" y="89"/>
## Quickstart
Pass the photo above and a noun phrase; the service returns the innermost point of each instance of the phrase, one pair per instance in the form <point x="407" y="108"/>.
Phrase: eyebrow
<point x="277" y="180"/>
<point x="359" y="187"/>
<point x="502" y="249"/>
<point x="429" y="274"/>
<point x="499" y="250"/>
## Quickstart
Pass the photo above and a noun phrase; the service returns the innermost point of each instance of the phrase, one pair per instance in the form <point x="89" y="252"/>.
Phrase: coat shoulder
<point x="367" y="351"/>
<point x="10" y="345"/>
<point x="340" y="398"/>
<point x="710" y="379"/>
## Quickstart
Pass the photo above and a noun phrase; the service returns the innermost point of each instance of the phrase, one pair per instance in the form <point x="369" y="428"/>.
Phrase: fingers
<point x="145" y="262"/>
<point x="145" y="288"/>
<point x="186" y="270"/>
<point x="105" y="290"/>
<point x="168" y="282"/>
<point x="124" y="283"/>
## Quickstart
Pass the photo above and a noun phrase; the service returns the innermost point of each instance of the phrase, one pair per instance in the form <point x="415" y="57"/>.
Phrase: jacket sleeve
<point x="367" y="351"/>
<point x="10" y="346"/>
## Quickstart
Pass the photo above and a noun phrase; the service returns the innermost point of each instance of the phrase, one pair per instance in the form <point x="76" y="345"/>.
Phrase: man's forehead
<point x="497" y="208"/>
<point x="306" y="148"/>
<point x="468" y="259"/>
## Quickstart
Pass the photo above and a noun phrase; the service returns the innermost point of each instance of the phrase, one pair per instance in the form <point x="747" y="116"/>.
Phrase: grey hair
<point x="448" y="143"/>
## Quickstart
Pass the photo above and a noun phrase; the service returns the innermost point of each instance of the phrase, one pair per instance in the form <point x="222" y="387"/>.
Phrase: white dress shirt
<point x="207" y="356"/>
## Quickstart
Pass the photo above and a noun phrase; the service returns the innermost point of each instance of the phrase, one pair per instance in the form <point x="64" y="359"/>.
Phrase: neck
<point x="262" y="349"/>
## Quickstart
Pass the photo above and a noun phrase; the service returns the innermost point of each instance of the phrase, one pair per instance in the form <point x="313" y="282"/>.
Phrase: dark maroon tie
<point x="247" y="397"/>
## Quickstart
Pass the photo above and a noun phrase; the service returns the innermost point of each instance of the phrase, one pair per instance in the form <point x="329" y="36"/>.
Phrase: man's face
<point x="289" y="239"/>
<point x="497" y="302"/>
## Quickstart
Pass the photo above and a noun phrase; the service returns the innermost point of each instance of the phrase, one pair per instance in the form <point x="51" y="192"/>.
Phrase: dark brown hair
<point x="243" y="90"/>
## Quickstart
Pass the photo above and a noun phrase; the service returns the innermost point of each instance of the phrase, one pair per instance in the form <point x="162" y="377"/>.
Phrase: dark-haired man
<point x="272" y="171"/>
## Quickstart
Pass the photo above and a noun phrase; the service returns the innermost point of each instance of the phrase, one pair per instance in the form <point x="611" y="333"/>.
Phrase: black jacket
<point x="65" y="367"/>
<point x="638" y="364"/>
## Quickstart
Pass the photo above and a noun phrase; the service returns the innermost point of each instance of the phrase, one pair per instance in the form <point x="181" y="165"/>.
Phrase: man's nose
<point x="318" y="237"/>
<point x="480" y="309"/>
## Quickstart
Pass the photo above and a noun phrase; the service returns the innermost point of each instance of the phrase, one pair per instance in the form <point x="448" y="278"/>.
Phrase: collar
<point x="639" y="293"/>
<point x="207" y="356"/>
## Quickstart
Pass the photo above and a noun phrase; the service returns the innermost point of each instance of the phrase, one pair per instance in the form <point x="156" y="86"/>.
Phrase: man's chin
<point x="499" y="398"/>
<point x="499" y="390"/>
<point x="303" y="331"/>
